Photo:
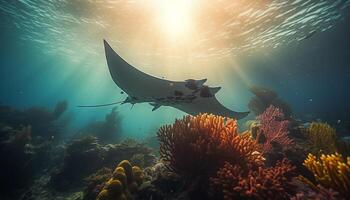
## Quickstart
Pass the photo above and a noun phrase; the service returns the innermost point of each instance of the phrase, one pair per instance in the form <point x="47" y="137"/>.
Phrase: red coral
<point x="273" y="128"/>
<point x="235" y="182"/>
<point x="199" y="145"/>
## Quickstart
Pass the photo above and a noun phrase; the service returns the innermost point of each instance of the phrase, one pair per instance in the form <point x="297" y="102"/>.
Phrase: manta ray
<point x="190" y="96"/>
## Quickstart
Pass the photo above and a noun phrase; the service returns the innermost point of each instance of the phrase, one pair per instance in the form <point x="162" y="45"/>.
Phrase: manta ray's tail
<point x="101" y="105"/>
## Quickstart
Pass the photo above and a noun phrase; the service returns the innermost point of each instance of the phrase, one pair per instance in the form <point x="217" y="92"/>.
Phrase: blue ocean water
<point x="53" y="50"/>
<point x="285" y="61"/>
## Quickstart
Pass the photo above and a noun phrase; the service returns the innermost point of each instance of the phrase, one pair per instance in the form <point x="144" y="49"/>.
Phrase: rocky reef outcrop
<point x="85" y="156"/>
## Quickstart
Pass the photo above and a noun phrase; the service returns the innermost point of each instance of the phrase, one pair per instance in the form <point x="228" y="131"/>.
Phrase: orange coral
<point x="199" y="145"/>
<point x="234" y="182"/>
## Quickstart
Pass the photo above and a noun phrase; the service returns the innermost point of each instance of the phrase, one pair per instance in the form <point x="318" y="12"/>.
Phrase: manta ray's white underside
<point x="190" y="96"/>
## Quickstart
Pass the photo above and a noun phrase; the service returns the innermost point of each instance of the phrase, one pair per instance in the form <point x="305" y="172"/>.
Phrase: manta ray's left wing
<point x="137" y="83"/>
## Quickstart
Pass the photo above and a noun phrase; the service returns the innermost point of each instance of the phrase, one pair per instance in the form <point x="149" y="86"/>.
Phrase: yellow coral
<point x="128" y="170"/>
<point x="137" y="174"/>
<point x="331" y="171"/>
<point x="321" y="138"/>
<point x="125" y="179"/>
<point x="115" y="188"/>
<point x="103" y="195"/>
<point x="119" y="174"/>
<point x="119" y="170"/>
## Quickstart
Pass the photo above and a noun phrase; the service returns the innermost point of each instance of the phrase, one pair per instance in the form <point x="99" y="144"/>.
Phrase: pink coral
<point x="274" y="128"/>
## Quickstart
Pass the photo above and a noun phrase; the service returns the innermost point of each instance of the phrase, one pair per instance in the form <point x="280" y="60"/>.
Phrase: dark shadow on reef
<point x="86" y="155"/>
<point x="44" y="122"/>
<point x="26" y="145"/>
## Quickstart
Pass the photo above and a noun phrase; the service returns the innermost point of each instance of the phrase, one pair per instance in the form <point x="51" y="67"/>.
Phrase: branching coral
<point x="273" y="128"/>
<point x="331" y="171"/>
<point x="233" y="182"/>
<point x="125" y="180"/>
<point x="199" y="145"/>
<point x="321" y="138"/>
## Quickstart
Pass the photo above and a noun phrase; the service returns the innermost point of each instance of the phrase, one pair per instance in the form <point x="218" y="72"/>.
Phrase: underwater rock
<point x="264" y="98"/>
<point x="129" y="149"/>
<point x="22" y="157"/>
<point x="162" y="184"/>
<point x="44" y="122"/>
<point x="86" y="155"/>
<point x="95" y="183"/>
<point x="167" y="186"/>
<point x="307" y="191"/>
<point x="82" y="157"/>
<point x="107" y="131"/>
<point x="14" y="153"/>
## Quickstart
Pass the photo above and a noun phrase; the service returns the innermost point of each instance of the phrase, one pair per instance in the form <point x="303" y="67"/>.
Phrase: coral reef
<point x="107" y="131"/>
<point x="82" y="157"/>
<point x="235" y="182"/>
<point x="160" y="184"/>
<point x="320" y="193"/>
<point x="195" y="147"/>
<point x="198" y="145"/>
<point x="124" y="181"/>
<point x="86" y="155"/>
<point x="22" y="157"/>
<point x="44" y="123"/>
<point x="264" y="98"/>
<point x="273" y="129"/>
<point x="321" y="138"/>
<point x="95" y="182"/>
<point x="331" y="171"/>
<point x="201" y="157"/>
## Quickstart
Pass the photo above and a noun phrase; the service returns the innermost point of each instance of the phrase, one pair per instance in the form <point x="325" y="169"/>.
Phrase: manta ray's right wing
<point x="209" y="105"/>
